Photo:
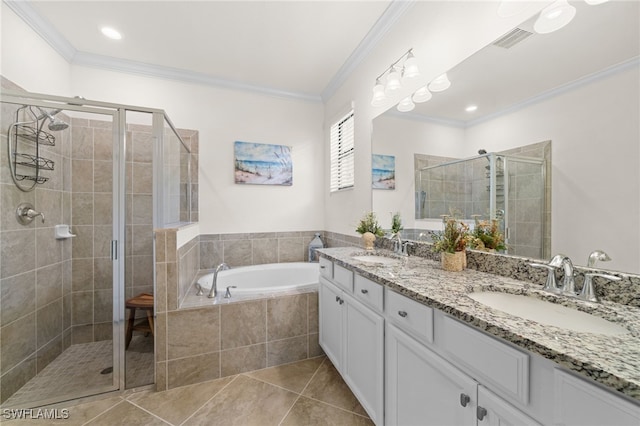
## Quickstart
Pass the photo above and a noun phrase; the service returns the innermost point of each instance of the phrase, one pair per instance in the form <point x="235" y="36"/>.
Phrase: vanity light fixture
<point x="404" y="67"/>
<point x="554" y="17"/>
<point x="422" y="95"/>
<point x="440" y="84"/>
<point x="406" y="105"/>
<point x="111" y="33"/>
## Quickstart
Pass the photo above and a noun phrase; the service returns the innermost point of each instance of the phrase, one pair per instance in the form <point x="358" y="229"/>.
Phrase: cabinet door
<point x="363" y="367"/>
<point x="422" y="388"/>
<point x="579" y="402"/>
<point x="331" y="301"/>
<point x="494" y="411"/>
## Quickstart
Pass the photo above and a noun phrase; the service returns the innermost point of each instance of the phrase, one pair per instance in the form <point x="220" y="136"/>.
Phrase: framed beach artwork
<point x="263" y="164"/>
<point x="383" y="171"/>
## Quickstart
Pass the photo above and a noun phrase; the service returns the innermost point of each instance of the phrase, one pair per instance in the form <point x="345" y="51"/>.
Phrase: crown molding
<point x="392" y="13"/>
<point x="393" y="112"/>
<point x="61" y="45"/>
<point x="43" y="28"/>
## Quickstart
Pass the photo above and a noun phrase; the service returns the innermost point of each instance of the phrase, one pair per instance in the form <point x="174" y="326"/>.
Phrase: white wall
<point x="27" y="60"/>
<point x="595" y="134"/>
<point x="403" y="138"/>
<point x="442" y="34"/>
<point x="224" y="116"/>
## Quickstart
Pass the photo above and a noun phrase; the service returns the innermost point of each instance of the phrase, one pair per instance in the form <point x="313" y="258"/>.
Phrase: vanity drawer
<point x="326" y="268"/>
<point x="491" y="361"/>
<point x="343" y="277"/>
<point x="368" y="292"/>
<point x="411" y="316"/>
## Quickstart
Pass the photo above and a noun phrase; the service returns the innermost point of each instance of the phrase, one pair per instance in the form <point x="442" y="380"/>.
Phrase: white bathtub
<point x="267" y="278"/>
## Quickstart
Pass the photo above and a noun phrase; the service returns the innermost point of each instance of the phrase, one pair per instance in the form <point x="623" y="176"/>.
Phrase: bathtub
<point x="264" y="279"/>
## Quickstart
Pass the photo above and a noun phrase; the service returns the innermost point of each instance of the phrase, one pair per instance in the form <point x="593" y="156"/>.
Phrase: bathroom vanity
<point x="416" y="349"/>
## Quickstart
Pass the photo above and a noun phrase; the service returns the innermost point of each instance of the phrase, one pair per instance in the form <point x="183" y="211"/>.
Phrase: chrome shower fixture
<point x="55" y="124"/>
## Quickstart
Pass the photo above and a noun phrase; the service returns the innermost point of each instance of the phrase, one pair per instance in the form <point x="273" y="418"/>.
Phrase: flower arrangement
<point x="454" y="238"/>
<point x="396" y="223"/>
<point x="369" y="223"/>
<point x="487" y="235"/>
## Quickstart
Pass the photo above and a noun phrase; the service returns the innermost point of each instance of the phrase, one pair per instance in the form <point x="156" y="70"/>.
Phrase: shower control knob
<point x="25" y="214"/>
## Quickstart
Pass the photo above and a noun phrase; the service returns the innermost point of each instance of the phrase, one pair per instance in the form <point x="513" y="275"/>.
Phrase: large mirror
<point x="571" y="97"/>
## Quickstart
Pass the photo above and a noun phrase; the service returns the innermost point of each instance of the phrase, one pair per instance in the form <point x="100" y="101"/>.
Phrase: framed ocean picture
<point x="263" y="164"/>
<point x="383" y="171"/>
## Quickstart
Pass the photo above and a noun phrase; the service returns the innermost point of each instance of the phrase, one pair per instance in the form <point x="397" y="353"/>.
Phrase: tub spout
<point x="214" y="285"/>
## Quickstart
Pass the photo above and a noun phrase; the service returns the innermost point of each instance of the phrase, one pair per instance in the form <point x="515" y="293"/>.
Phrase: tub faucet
<point x="595" y="256"/>
<point x="569" y="283"/>
<point x="214" y="284"/>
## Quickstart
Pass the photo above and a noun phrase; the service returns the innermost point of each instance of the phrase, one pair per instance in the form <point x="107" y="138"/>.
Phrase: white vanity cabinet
<point x="352" y="336"/>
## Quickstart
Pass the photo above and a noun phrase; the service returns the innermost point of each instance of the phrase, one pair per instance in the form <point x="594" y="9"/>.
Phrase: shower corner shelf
<point x="29" y="160"/>
<point x="39" y="179"/>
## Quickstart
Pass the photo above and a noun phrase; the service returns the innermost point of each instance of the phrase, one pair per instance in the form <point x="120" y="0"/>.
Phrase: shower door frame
<point x="118" y="244"/>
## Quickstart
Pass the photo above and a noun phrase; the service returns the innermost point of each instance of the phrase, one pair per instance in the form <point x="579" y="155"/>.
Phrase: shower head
<point x="482" y="151"/>
<point x="55" y="123"/>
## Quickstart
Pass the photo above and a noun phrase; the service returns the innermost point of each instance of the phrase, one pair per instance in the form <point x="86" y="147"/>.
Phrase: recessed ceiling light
<point x="111" y="33"/>
<point x="471" y="108"/>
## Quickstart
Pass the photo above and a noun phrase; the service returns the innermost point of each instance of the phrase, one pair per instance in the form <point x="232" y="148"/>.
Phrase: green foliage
<point x="455" y="237"/>
<point x="369" y="223"/>
<point x="487" y="235"/>
<point x="396" y="223"/>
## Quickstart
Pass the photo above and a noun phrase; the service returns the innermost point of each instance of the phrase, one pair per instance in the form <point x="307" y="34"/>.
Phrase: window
<point x="342" y="153"/>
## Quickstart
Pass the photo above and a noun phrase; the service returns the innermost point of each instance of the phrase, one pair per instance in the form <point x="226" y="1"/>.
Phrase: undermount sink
<point x="547" y="313"/>
<point x="385" y="260"/>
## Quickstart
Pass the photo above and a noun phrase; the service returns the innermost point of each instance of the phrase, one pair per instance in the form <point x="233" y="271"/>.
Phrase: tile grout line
<point x="148" y="412"/>
<point x="104" y="411"/>
<point x="300" y="394"/>
<point x="210" y="399"/>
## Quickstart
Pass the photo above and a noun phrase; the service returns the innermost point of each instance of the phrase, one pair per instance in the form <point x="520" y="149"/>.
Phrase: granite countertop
<point x="611" y="360"/>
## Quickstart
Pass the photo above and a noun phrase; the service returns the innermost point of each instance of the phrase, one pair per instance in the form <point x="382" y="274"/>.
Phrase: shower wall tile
<point x="238" y="252"/>
<point x="82" y="143"/>
<point x="103" y="306"/>
<point x="48" y="323"/>
<point x="82" y="275"/>
<point x="82" y="307"/>
<point x="10" y="198"/>
<point x="103" y="331"/>
<point x="48" y="249"/>
<point x="102" y="237"/>
<point x="142" y="209"/>
<point x="82" y="175"/>
<point x="50" y="203"/>
<point x="83" y="242"/>
<point x="142" y="149"/>
<point x="142" y="178"/>
<point x="18" y="341"/>
<point x="102" y="144"/>
<point x="48" y="284"/>
<point x="143" y="271"/>
<point x="14" y="379"/>
<point x="103" y="208"/>
<point x="82" y="334"/>
<point x="265" y="250"/>
<point x="103" y="176"/>
<point x="18" y="297"/>
<point x="48" y="353"/>
<point x="82" y="208"/>
<point x="17" y="252"/>
<point x="291" y="250"/>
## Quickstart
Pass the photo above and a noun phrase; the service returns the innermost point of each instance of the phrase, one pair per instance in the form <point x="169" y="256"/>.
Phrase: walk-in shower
<point x="97" y="178"/>
<point x="506" y="187"/>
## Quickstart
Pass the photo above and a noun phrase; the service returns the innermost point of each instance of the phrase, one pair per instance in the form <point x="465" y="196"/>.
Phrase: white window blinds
<point x="342" y="157"/>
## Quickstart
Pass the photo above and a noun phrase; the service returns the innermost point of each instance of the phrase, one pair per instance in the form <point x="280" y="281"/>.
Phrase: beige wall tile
<point x="160" y="244"/>
<point x="11" y="197"/>
<point x="291" y="250"/>
<point x="13" y="380"/>
<point x="286" y="317"/>
<point x="314" y="345"/>
<point x="82" y="142"/>
<point x="17" y="296"/>
<point x="17" y="252"/>
<point x="287" y="350"/>
<point x="82" y="307"/>
<point x="48" y="323"/>
<point x="265" y="251"/>
<point x="103" y="203"/>
<point x="142" y="178"/>
<point x="243" y="324"/>
<point x="48" y="284"/>
<point x="193" y="332"/>
<point x="48" y="249"/>
<point x="240" y="360"/>
<point x="103" y="272"/>
<point x="82" y="175"/>
<point x="237" y="253"/>
<point x="186" y="371"/>
<point x="82" y="274"/>
<point x="48" y="353"/>
<point x="103" y="176"/>
<point x="313" y="311"/>
<point x="83" y="242"/>
<point x="102" y="305"/>
<point x="18" y="341"/>
<point x="82" y="208"/>
<point x="81" y="334"/>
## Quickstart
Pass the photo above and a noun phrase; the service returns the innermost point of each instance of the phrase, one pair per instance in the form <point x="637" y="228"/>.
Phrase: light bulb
<point x="410" y="69"/>
<point x="595" y="2"/>
<point x="439" y="84"/>
<point x="378" y="94"/>
<point x="554" y="17"/>
<point x="393" y="81"/>
<point x="111" y="33"/>
<point x="422" y="95"/>
<point x="406" y="105"/>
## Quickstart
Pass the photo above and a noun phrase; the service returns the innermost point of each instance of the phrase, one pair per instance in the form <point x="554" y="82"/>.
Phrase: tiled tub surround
<point x="613" y="361"/>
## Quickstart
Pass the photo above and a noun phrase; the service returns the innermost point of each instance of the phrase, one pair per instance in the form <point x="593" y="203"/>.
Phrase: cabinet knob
<point x="402" y="313"/>
<point x="364" y="291"/>
<point x="481" y="412"/>
<point x="464" y="399"/>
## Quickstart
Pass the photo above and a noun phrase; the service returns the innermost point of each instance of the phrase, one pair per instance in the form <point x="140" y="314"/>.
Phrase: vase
<point x="454" y="262"/>
<point x="367" y="239"/>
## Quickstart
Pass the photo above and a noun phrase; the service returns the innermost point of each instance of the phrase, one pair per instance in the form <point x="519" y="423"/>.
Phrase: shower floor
<point x="78" y="369"/>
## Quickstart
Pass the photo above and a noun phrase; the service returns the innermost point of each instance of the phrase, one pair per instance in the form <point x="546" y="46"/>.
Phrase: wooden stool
<point x="141" y="301"/>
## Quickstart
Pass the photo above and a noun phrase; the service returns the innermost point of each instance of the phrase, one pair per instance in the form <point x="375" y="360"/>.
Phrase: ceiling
<point x="301" y="49"/>
<point x="601" y="39"/>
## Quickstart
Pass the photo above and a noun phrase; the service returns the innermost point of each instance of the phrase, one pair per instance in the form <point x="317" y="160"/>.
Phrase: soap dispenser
<point x="316" y="243"/>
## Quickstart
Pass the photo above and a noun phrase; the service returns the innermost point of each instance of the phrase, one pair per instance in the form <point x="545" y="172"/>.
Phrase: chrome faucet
<point x="397" y="242"/>
<point x="569" y="283"/>
<point x="597" y="255"/>
<point x="588" y="292"/>
<point x="214" y="284"/>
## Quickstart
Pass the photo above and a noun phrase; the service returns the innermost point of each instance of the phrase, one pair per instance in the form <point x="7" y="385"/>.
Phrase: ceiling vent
<point x="512" y="38"/>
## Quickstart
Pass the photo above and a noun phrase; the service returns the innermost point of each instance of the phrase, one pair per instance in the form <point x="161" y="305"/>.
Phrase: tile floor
<point x="80" y="367"/>
<point x="309" y="392"/>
